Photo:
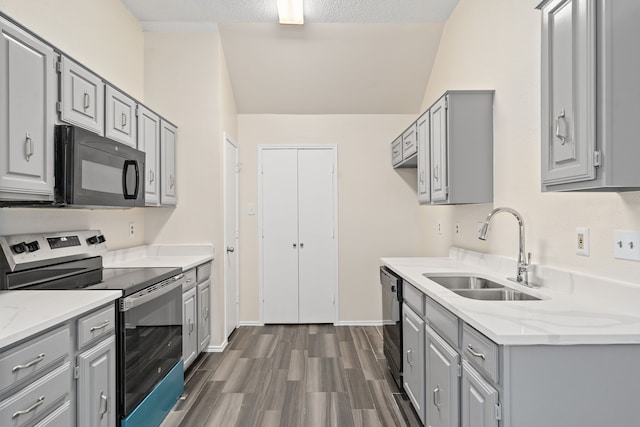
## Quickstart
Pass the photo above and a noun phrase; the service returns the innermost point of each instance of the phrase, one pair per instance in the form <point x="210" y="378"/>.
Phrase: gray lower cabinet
<point x="96" y="385"/>
<point x="590" y="95"/>
<point x="461" y="139"/>
<point x="204" y="322"/>
<point x="413" y="379"/>
<point x="27" y="115"/>
<point x="479" y="406"/>
<point x="189" y="329"/>
<point x="442" y="383"/>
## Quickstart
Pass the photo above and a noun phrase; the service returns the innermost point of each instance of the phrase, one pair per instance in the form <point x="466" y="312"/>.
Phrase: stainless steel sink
<point x="464" y="282"/>
<point x="504" y="294"/>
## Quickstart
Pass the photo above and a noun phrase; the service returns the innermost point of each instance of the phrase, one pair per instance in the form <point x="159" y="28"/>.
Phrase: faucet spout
<point x="524" y="259"/>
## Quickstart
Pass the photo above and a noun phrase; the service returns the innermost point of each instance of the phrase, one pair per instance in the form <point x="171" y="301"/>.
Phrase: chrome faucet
<point x="524" y="260"/>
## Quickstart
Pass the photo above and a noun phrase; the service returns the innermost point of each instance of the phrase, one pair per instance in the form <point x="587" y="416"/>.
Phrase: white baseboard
<point x="359" y="323"/>
<point x="250" y="323"/>
<point x="217" y="348"/>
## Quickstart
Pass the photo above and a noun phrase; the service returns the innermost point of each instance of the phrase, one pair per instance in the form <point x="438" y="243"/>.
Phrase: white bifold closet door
<point x="298" y="235"/>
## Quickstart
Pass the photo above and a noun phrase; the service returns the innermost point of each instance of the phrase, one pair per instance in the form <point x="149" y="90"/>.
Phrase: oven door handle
<point x="144" y="296"/>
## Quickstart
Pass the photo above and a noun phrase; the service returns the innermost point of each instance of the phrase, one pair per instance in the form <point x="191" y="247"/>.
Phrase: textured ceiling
<point x="350" y="57"/>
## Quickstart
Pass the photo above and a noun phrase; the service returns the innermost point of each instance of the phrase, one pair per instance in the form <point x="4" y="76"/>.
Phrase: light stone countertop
<point x="575" y="309"/>
<point x="182" y="256"/>
<point x="25" y="313"/>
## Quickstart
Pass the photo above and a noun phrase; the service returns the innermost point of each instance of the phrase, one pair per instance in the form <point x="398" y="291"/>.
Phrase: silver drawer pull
<point x="105" y="399"/>
<point x="39" y="402"/>
<point x="104" y="325"/>
<point x="474" y="353"/>
<point x="38" y="359"/>
<point x="436" y="396"/>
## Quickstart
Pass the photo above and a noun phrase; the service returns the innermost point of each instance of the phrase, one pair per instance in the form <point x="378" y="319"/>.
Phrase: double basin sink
<point x="479" y="288"/>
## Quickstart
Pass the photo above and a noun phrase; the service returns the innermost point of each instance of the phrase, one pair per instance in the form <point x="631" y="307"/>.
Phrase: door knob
<point x="230" y="249"/>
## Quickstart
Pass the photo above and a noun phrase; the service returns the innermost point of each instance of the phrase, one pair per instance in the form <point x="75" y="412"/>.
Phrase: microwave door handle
<point x="125" y="188"/>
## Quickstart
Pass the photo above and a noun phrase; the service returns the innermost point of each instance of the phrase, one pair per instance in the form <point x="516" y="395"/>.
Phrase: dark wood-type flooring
<point x="293" y="375"/>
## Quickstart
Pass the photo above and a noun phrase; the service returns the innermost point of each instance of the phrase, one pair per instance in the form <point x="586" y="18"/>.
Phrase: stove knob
<point x="19" y="248"/>
<point x="101" y="239"/>
<point x="92" y="240"/>
<point x="33" y="246"/>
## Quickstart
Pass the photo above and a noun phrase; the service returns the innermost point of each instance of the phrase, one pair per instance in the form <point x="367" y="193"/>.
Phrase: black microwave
<point x="94" y="171"/>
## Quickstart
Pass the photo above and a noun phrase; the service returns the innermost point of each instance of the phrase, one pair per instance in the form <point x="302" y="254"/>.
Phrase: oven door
<point x="150" y="340"/>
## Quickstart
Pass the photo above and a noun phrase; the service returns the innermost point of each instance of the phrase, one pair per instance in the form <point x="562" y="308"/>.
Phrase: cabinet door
<point x="96" y="393"/>
<point x="189" y="329"/>
<point x="149" y="142"/>
<point x="168" y="195"/>
<point x="396" y="151"/>
<point x="280" y="235"/>
<point x="82" y="95"/>
<point x="204" y="326"/>
<point x="424" y="159"/>
<point x="409" y="142"/>
<point x="413" y="367"/>
<point x="442" y="384"/>
<point x="317" y="252"/>
<point x="27" y="109"/>
<point x="439" y="150"/>
<point x="120" y="117"/>
<point x="568" y="91"/>
<point x="479" y="400"/>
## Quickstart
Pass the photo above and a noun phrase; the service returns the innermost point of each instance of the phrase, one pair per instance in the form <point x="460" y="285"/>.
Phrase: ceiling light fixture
<point x="290" y="12"/>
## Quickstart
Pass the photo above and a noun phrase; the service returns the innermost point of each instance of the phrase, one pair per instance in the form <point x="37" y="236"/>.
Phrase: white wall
<point x="495" y="44"/>
<point x="377" y="205"/>
<point x="185" y="77"/>
<point x="103" y="35"/>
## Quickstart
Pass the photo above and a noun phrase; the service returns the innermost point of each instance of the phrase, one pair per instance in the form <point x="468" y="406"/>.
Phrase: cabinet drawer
<point x="61" y="417"/>
<point x="409" y="142"/>
<point x="443" y="321"/>
<point x="203" y="272"/>
<point x="413" y="298"/>
<point x="480" y="351"/>
<point x="95" y="325"/>
<point x="37" y="399"/>
<point x="190" y="280"/>
<point x="396" y="151"/>
<point x="33" y="356"/>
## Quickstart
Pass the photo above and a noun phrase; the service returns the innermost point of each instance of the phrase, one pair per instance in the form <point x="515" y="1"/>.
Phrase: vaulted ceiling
<point x="350" y="57"/>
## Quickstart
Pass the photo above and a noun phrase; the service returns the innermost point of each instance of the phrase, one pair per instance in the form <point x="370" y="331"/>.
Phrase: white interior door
<point x="279" y="211"/>
<point x="230" y="234"/>
<point x="316" y="230"/>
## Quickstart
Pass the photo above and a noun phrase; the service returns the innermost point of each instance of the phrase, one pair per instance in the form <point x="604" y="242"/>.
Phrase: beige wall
<point x="495" y="44"/>
<point x="85" y="31"/>
<point x="185" y="77"/>
<point x="377" y="205"/>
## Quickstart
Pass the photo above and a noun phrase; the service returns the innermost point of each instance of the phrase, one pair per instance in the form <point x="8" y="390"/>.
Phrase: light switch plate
<point x="582" y="241"/>
<point x="626" y="245"/>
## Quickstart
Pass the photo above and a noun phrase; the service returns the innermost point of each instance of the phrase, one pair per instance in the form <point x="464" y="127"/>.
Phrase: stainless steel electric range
<point x="149" y="320"/>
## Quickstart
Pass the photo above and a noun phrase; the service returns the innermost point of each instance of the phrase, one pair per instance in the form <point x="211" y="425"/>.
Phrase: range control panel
<point x="25" y="250"/>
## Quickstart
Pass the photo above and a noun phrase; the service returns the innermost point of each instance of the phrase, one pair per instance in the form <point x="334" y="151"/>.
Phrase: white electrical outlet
<point x="582" y="241"/>
<point x="132" y="229"/>
<point x="458" y="228"/>
<point x="626" y="245"/>
<point x="439" y="228"/>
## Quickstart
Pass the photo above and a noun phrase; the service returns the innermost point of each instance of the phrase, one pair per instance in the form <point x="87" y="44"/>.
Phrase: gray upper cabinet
<point x="149" y="142"/>
<point x="82" y="97"/>
<point x="404" y="149"/>
<point x="409" y="142"/>
<point x="168" y="193"/>
<point x="424" y="159"/>
<point x="120" y="117"/>
<point x="590" y="95"/>
<point x="27" y="115"/>
<point x="396" y="151"/>
<point x="462" y="148"/>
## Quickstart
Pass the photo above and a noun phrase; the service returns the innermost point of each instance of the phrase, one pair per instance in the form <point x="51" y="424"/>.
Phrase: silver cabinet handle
<point x="102" y="326"/>
<point x="190" y="326"/>
<point x="152" y="176"/>
<point x="87" y="101"/>
<point x="105" y="399"/>
<point x="558" y="135"/>
<point x="28" y="147"/>
<point x="171" y="181"/>
<point x="39" y="402"/>
<point x="409" y="359"/>
<point x="295" y="245"/>
<point x="301" y="244"/>
<point x="38" y="359"/>
<point x="436" y="172"/>
<point x="436" y="396"/>
<point x="206" y="313"/>
<point x="474" y="353"/>
<point x="230" y="249"/>
<point x="124" y="120"/>
<point x="421" y="177"/>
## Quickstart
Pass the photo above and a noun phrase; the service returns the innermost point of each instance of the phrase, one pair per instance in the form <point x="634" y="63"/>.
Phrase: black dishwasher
<point x="392" y="321"/>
